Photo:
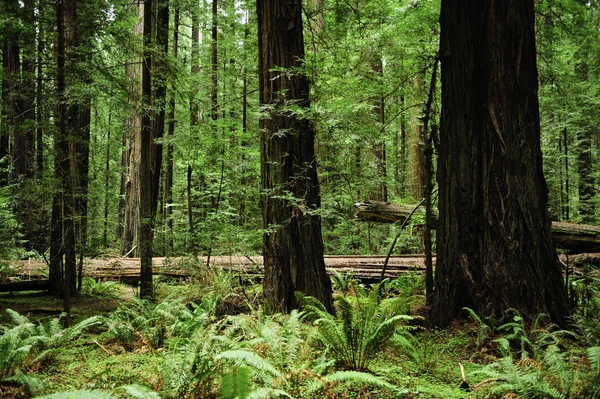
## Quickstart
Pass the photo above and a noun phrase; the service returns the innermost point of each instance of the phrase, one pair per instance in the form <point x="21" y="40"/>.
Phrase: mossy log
<point x="572" y="237"/>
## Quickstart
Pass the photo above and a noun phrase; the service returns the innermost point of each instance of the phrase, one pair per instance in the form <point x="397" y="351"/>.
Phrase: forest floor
<point x="207" y="337"/>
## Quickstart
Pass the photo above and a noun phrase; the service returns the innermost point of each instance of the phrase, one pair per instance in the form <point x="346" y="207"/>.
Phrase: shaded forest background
<point x="370" y="64"/>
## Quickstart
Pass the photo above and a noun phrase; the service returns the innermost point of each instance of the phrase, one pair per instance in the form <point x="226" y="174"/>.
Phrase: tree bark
<point x="494" y="248"/>
<point x="63" y="163"/>
<point x="293" y="244"/>
<point x="146" y="155"/>
<point x="131" y="223"/>
<point x="168" y="200"/>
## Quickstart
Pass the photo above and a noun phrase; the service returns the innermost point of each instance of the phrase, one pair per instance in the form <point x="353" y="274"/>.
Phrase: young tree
<point x="494" y="249"/>
<point x="293" y="245"/>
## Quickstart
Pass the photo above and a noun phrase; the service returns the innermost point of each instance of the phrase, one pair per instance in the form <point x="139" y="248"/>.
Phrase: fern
<point x="80" y="394"/>
<point x="236" y="384"/>
<point x="484" y="330"/>
<point x="134" y="391"/>
<point x="360" y="331"/>
<point x="522" y="379"/>
<point x="54" y="338"/>
<point x="144" y="321"/>
<point x="16" y="343"/>
<point x="342" y="282"/>
<point x="350" y="378"/>
<point x="140" y="392"/>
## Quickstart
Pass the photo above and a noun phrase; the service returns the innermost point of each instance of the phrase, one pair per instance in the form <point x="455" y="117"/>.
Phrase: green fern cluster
<point x="133" y="391"/>
<point x="141" y="322"/>
<point x="27" y="343"/>
<point x="537" y="363"/>
<point x="274" y="360"/>
<point x="97" y="288"/>
<point x="364" y="325"/>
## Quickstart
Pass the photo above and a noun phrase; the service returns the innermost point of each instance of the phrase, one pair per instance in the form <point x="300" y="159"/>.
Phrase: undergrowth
<point x="210" y="339"/>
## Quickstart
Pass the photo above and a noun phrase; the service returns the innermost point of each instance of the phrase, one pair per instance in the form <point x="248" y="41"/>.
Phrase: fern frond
<point x="236" y="384"/>
<point x="263" y="392"/>
<point x="250" y="359"/>
<point x="140" y="392"/>
<point x="80" y="394"/>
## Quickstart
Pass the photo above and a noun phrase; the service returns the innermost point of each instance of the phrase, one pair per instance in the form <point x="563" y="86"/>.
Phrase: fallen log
<point x="572" y="237"/>
<point x="30" y="285"/>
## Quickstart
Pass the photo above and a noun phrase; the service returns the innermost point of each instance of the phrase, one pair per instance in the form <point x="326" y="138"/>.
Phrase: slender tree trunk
<point x="379" y="147"/>
<point x="168" y="210"/>
<point x="494" y="248"/>
<point x="214" y="64"/>
<point x="194" y="109"/>
<point x="63" y="162"/>
<point x="428" y="153"/>
<point x="147" y="158"/>
<point x="23" y="98"/>
<point x="107" y="184"/>
<point x="293" y="245"/>
<point x="587" y="179"/>
<point x="39" y="132"/>
<point x="566" y="158"/>
<point x="416" y="179"/>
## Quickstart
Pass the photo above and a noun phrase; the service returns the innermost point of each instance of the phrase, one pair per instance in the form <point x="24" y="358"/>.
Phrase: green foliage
<point x="143" y="322"/>
<point x="236" y="384"/>
<point x="546" y="366"/>
<point x="278" y="351"/>
<point x="16" y="343"/>
<point x="363" y="327"/>
<point x="484" y="328"/>
<point x="133" y="391"/>
<point x="106" y="289"/>
<point x="343" y="282"/>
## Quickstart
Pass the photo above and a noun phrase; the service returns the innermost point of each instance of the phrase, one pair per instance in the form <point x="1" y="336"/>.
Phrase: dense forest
<point x="193" y="131"/>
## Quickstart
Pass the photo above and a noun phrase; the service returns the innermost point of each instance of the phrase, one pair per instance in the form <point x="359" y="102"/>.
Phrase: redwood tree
<point x="494" y="249"/>
<point x="293" y="245"/>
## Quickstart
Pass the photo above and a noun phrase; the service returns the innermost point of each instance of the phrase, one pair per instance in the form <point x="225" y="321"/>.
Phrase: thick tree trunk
<point x="293" y="245"/>
<point x="494" y="248"/>
<point x="131" y="224"/>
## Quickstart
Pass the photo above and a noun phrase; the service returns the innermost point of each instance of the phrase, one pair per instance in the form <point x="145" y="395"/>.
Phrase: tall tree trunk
<point x="587" y="178"/>
<point x="40" y="114"/>
<point x="131" y="224"/>
<point x="194" y="109"/>
<point x="494" y="248"/>
<point x="214" y="62"/>
<point x="147" y="157"/>
<point x="416" y="178"/>
<point x="566" y="203"/>
<point x="153" y="125"/>
<point x="379" y="147"/>
<point x="106" y="185"/>
<point x="22" y="94"/>
<point x="62" y="161"/>
<point x="168" y="210"/>
<point x="293" y="245"/>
